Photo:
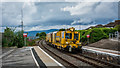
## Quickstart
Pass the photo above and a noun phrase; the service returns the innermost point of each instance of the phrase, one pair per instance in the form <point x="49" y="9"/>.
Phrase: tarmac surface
<point x="19" y="58"/>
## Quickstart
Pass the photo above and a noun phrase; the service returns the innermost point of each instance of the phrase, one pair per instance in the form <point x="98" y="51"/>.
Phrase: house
<point x="99" y="26"/>
<point x="112" y="24"/>
<point x="109" y="25"/>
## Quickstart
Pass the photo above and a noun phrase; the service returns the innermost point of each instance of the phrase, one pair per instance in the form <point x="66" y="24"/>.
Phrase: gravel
<point x="106" y="44"/>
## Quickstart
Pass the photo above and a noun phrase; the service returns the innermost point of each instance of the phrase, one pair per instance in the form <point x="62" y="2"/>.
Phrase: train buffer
<point x="43" y="59"/>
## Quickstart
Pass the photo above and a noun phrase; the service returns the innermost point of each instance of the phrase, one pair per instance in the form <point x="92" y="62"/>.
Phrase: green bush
<point x="19" y="39"/>
<point x="8" y="37"/>
<point x="12" y="38"/>
<point x="41" y="35"/>
<point x="117" y="27"/>
<point x="96" y="34"/>
<point x="109" y="30"/>
<point x="30" y="42"/>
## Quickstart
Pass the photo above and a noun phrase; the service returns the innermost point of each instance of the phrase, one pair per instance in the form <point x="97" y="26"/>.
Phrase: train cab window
<point x="76" y="36"/>
<point x="68" y="35"/>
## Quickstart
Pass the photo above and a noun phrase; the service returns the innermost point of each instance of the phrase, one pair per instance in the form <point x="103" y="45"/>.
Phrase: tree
<point x="12" y="38"/>
<point x="117" y="27"/>
<point x="19" y="40"/>
<point x="9" y="37"/>
<point x="41" y="35"/>
<point x="62" y="29"/>
<point x="37" y="34"/>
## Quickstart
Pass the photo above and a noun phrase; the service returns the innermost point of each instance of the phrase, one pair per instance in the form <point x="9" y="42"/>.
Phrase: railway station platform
<point x="43" y="59"/>
<point x="102" y="54"/>
<point x="100" y="50"/>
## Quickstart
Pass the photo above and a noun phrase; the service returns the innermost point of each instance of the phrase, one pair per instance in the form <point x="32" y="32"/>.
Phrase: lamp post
<point x="24" y="34"/>
<point x="22" y="20"/>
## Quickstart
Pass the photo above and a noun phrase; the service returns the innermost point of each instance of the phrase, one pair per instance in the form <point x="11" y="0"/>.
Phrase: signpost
<point x="25" y="35"/>
<point x="88" y="36"/>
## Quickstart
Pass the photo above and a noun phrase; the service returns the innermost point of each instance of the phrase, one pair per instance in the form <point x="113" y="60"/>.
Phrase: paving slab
<point x="45" y="58"/>
<point x="19" y="58"/>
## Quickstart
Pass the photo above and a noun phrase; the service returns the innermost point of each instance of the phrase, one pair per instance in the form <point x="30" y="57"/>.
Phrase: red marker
<point x="24" y="34"/>
<point x="88" y="36"/>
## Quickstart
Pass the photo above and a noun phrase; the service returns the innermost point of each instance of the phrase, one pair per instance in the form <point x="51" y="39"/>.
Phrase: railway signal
<point x="24" y="35"/>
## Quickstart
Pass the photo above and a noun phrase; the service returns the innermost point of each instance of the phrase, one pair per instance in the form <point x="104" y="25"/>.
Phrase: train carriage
<point x="66" y="40"/>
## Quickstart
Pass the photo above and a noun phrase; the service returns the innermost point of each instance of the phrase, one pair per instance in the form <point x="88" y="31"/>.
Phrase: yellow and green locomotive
<point x="66" y="40"/>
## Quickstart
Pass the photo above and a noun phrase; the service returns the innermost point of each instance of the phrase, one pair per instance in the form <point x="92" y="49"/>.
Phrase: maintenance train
<point x="65" y="40"/>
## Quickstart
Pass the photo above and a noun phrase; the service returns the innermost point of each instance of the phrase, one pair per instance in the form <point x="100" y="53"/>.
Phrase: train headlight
<point x="79" y="43"/>
<point x="67" y="43"/>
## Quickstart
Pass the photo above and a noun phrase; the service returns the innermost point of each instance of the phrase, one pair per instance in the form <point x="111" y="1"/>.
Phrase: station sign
<point x="88" y="36"/>
<point x="24" y="34"/>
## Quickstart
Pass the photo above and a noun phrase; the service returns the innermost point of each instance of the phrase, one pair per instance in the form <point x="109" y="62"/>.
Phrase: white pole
<point x="117" y="35"/>
<point x="112" y="36"/>
<point x="109" y="35"/>
<point x="25" y="41"/>
<point x="88" y="41"/>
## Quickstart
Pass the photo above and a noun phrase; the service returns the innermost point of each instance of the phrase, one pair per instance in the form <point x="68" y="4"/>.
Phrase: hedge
<point x="96" y="34"/>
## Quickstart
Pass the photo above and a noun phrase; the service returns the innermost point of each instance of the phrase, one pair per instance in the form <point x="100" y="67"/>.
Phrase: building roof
<point x="113" y="24"/>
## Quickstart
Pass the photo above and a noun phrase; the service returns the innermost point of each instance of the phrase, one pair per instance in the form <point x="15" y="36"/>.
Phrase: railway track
<point x="94" y="62"/>
<point x="86" y="60"/>
<point x="101" y="62"/>
<point x="72" y="65"/>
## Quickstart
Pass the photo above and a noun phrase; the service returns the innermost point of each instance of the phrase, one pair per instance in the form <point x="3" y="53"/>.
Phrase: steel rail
<point x="72" y="65"/>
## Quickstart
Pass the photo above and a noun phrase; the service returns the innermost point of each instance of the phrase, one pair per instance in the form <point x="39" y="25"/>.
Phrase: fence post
<point x="109" y="36"/>
<point x="117" y="35"/>
<point x="112" y="36"/>
<point x="25" y="41"/>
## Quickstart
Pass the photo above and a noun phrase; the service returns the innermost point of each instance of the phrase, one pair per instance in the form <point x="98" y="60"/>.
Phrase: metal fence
<point x="114" y="36"/>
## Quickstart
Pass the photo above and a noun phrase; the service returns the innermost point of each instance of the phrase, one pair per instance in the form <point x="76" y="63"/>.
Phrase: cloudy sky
<point x="56" y="15"/>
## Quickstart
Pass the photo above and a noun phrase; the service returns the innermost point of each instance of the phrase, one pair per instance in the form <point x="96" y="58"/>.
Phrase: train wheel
<point x="60" y="47"/>
<point x="55" y="46"/>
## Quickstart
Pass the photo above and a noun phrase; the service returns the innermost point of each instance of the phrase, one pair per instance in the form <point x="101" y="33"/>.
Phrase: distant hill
<point x="33" y="33"/>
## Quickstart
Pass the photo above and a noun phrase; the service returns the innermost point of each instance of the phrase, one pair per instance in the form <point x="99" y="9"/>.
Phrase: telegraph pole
<point x="22" y="26"/>
<point x="22" y="20"/>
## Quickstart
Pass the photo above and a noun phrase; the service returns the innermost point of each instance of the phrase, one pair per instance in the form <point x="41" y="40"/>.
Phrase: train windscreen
<point x="68" y="35"/>
<point x="76" y="36"/>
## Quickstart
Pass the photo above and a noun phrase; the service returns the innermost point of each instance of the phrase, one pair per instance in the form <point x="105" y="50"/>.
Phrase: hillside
<point x="33" y="33"/>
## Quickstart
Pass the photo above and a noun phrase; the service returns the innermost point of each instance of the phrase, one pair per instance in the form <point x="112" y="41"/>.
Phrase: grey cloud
<point x="95" y="11"/>
<point x="50" y="13"/>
